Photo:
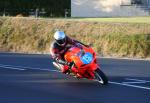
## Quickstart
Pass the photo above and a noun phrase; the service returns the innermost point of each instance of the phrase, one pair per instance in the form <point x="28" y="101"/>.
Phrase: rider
<point x="58" y="48"/>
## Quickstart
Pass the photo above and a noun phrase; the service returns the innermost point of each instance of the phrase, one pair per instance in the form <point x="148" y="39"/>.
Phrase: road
<point x="30" y="78"/>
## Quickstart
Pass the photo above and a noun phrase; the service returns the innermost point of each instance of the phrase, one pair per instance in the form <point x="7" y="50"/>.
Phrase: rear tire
<point x="100" y="77"/>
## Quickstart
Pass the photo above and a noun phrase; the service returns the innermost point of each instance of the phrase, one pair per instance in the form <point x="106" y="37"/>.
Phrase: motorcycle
<point x="84" y="64"/>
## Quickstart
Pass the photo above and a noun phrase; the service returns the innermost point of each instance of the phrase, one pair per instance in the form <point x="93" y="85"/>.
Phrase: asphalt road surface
<point x="32" y="79"/>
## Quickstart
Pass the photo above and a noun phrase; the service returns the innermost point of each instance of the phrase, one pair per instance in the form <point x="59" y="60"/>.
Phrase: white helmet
<point x="60" y="38"/>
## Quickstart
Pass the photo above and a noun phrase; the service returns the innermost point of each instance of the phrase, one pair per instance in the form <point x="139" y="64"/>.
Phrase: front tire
<point x="100" y="77"/>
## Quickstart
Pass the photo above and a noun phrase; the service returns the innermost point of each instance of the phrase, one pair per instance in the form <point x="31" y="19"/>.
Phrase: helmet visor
<point x="61" y="42"/>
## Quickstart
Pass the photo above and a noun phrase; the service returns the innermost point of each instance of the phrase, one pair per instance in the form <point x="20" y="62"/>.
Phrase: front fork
<point x="56" y="65"/>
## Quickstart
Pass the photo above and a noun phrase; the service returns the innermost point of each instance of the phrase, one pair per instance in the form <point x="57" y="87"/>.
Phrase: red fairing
<point x="82" y="68"/>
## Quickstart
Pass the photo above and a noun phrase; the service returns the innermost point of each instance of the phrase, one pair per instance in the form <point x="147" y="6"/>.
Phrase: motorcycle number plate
<point x="87" y="58"/>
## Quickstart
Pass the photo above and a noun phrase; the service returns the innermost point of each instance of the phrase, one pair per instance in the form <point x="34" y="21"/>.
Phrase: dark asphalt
<point x="31" y="79"/>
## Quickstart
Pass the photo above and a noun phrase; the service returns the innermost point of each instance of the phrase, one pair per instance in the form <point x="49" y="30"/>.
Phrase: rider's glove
<point x="70" y="64"/>
<point x="60" y="61"/>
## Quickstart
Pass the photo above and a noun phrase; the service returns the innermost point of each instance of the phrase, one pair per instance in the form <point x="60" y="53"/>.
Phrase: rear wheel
<point x="100" y="77"/>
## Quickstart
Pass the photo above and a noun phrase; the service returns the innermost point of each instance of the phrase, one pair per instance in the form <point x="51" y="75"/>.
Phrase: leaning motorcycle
<point x="84" y="64"/>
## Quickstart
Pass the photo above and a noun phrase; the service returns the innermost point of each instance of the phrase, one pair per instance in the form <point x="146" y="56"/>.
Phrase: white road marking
<point x="129" y="85"/>
<point x="25" y="68"/>
<point x="137" y="80"/>
<point x="133" y="82"/>
<point x="124" y="84"/>
<point x="11" y="67"/>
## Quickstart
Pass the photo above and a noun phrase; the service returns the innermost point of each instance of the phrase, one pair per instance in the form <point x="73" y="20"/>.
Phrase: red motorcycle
<point x="85" y="64"/>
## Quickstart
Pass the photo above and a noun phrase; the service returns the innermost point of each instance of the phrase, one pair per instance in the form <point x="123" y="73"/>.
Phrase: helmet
<point x="60" y="38"/>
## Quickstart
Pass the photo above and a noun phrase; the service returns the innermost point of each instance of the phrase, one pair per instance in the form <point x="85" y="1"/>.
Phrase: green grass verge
<point x="117" y="20"/>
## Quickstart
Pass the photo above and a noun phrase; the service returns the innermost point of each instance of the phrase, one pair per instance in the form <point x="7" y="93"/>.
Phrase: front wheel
<point x="100" y="77"/>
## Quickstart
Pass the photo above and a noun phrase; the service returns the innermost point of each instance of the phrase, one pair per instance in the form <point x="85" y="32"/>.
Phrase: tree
<point x="54" y="8"/>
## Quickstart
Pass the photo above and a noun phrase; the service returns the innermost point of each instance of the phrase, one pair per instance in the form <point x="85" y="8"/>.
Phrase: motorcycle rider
<point x="58" y="48"/>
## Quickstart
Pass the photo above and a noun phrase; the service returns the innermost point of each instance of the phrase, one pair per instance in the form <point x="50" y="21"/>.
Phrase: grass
<point x="117" y="20"/>
<point x="109" y="39"/>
